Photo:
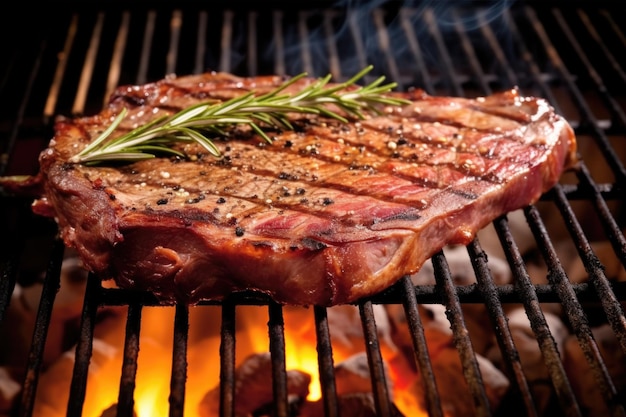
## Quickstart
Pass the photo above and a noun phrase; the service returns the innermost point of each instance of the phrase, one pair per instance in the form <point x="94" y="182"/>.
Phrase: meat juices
<point x="327" y="214"/>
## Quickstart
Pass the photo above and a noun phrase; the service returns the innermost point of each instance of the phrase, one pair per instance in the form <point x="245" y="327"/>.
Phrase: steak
<point x="329" y="213"/>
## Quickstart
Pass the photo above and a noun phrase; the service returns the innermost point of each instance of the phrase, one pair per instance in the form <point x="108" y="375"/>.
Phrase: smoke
<point x="401" y="39"/>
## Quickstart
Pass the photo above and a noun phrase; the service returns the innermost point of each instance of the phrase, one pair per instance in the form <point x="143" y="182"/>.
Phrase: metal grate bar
<point x="21" y="109"/>
<point x="125" y="400"/>
<point x="496" y="48"/>
<point x="333" y="56"/>
<point x="355" y="30"/>
<point x="538" y="330"/>
<point x="594" y="268"/>
<point x="531" y="63"/>
<point x="384" y="44"/>
<point x="598" y="134"/>
<point x="252" y="43"/>
<point x="227" y="360"/>
<point x="599" y="288"/>
<point x="172" y="53"/>
<point x="179" y="361"/>
<point x="549" y="350"/>
<point x="573" y="309"/>
<point x="116" y="60"/>
<point x="413" y="44"/>
<point x="203" y="18"/>
<point x="279" y="43"/>
<point x="325" y="363"/>
<point x="8" y="277"/>
<point x="612" y="229"/>
<point x="226" y="40"/>
<point x="461" y="336"/>
<point x="42" y="323"/>
<point x="614" y="26"/>
<point x="375" y="360"/>
<point x="305" y="46"/>
<point x="55" y="86"/>
<point x="431" y="23"/>
<point x="428" y="294"/>
<point x="601" y="88"/>
<point x="420" y="349"/>
<point x="277" y="351"/>
<point x="144" y="57"/>
<point x="84" y="347"/>
<point x="499" y="322"/>
<point x="584" y="17"/>
<point x="470" y="53"/>
<point x="88" y="65"/>
<point x="609" y="304"/>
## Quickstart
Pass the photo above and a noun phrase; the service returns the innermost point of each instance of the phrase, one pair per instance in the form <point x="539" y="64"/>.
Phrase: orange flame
<point x="155" y="360"/>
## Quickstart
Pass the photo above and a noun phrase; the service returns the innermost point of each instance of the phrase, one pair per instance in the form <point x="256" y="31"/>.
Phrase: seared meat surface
<point x="327" y="214"/>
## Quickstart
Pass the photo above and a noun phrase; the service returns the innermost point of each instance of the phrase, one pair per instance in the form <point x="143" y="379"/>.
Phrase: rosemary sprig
<point x="199" y="122"/>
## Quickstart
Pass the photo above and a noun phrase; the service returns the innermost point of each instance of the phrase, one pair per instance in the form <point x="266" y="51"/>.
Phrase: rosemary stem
<point x="199" y="123"/>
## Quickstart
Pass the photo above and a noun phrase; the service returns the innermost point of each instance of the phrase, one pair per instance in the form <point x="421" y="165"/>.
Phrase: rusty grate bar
<point x="18" y="118"/>
<point x="574" y="312"/>
<point x="424" y="79"/>
<point x="252" y="43"/>
<point x="86" y="75"/>
<point x="615" y="64"/>
<point x="375" y="360"/>
<point x="115" y="67"/>
<point x="446" y="60"/>
<point x="470" y="53"/>
<point x="126" y="399"/>
<point x="144" y="58"/>
<point x="59" y="74"/>
<point x="40" y="332"/>
<point x="84" y="348"/>
<point x="179" y="361"/>
<point x="8" y="280"/>
<point x="305" y="45"/>
<point x="331" y="47"/>
<point x="499" y="322"/>
<point x="325" y="362"/>
<point x="577" y="96"/>
<point x="532" y="66"/>
<point x="226" y="38"/>
<point x="600" y="289"/>
<point x="601" y="88"/>
<point x="593" y="266"/>
<point x="420" y="349"/>
<point x="461" y="338"/>
<point x="276" y="328"/>
<point x="611" y="228"/>
<point x="227" y="360"/>
<point x="540" y="328"/>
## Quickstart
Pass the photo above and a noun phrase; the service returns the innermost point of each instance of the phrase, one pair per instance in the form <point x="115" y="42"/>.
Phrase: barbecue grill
<point x="66" y="58"/>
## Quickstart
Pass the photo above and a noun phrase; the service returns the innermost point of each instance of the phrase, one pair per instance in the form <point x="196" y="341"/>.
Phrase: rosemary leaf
<point x="270" y="110"/>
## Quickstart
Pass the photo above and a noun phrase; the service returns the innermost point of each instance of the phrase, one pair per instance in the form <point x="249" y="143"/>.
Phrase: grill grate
<point x="69" y="59"/>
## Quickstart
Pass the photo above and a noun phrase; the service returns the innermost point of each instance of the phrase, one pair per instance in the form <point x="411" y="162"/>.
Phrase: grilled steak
<point x="328" y="213"/>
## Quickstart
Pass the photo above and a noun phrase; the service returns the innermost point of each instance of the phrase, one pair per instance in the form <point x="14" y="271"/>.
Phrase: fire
<point x="304" y="358"/>
<point x="152" y="382"/>
<point x="155" y="357"/>
<point x="299" y="355"/>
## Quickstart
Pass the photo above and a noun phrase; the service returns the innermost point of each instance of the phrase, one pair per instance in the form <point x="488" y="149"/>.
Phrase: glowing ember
<point x="152" y="382"/>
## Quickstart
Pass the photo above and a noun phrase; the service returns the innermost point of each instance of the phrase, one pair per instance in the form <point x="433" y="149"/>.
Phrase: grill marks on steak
<point x="329" y="213"/>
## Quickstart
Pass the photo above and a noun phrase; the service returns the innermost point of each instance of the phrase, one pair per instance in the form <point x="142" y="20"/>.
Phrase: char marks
<point x="365" y="173"/>
<point x="328" y="214"/>
<point x="432" y="145"/>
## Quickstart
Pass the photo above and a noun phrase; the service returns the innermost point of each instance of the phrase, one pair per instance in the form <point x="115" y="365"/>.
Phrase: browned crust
<point x="190" y="254"/>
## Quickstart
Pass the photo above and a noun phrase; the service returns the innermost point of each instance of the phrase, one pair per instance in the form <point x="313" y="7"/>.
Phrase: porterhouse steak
<point x="327" y="214"/>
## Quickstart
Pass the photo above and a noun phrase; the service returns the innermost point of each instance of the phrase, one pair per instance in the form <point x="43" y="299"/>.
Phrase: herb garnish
<point x="198" y="122"/>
